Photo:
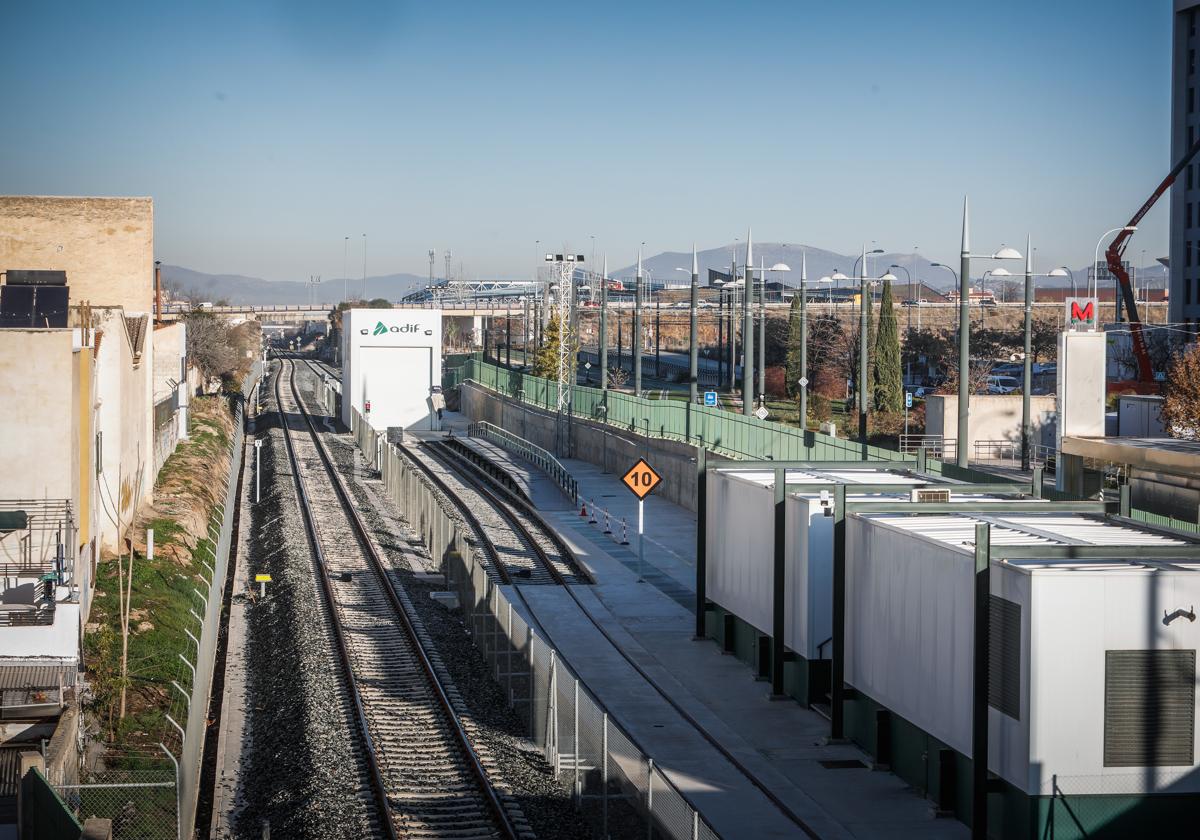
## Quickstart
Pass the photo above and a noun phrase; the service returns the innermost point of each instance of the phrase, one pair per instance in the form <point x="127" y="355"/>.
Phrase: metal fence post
<point x="552" y="714"/>
<point x="575" y="736"/>
<point x="649" y="799"/>
<point x="604" y="776"/>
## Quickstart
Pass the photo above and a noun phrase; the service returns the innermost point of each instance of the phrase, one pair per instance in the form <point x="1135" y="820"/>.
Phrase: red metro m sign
<point x="1082" y="313"/>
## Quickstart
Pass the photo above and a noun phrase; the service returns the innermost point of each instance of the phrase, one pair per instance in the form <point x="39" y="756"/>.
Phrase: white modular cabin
<point x="740" y="552"/>
<point x="1093" y="661"/>
<point x="391" y="361"/>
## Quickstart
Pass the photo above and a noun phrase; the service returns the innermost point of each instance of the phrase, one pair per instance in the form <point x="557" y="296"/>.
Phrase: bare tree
<point x="117" y="508"/>
<point x="1181" y="402"/>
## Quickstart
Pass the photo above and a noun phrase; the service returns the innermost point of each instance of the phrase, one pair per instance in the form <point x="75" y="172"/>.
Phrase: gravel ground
<point x="546" y="803"/>
<point x="302" y="767"/>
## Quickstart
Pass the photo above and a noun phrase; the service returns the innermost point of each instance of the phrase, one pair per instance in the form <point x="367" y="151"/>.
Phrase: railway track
<point x="425" y="777"/>
<point x="468" y="489"/>
<point x="519" y="546"/>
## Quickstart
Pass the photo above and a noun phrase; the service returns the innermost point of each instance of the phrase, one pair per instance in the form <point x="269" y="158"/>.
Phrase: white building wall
<point x="392" y="358"/>
<point x="740" y="533"/>
<point x="1076" y="618"/>
<point x="910" y="606"/>
<point x="125" y="418"/>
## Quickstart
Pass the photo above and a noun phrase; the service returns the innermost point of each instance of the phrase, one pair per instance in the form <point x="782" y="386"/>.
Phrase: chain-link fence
<point x="139" y="795"/>
<point x="1139" y="804"/>
<point x="614" y="781"/>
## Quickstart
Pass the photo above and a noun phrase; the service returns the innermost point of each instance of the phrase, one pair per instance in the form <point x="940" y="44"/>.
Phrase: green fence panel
<point x="44" y="816"/>
<point x="721" y="431"/>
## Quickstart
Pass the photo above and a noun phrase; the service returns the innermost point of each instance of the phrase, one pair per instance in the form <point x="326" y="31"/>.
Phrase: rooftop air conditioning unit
<point x="930" y="495"/>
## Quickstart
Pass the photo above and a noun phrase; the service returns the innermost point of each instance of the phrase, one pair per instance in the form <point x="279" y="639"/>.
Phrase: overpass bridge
<point x="296" y="313"/>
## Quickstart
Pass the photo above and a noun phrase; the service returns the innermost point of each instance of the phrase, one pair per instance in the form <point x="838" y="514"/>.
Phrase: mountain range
<point x="254" y="291"/>
<point x="239" y="289"/>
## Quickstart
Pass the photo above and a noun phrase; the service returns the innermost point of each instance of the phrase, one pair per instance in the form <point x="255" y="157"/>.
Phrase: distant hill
<point x="254" y="291"/>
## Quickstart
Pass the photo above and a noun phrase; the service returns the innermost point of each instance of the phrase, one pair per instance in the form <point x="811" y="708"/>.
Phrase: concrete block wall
<point x="614" y="449"/>
<point x="106" y="245"/>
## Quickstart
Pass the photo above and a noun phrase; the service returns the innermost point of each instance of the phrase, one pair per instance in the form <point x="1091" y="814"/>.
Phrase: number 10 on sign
<point x="641" y="479"/>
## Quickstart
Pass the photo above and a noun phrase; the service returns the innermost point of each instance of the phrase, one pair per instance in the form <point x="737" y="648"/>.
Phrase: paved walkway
<point x="648" y="609"/>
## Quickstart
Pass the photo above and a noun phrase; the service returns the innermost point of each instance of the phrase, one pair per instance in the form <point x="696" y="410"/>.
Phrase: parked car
<point x="1003" y="384"/>
<point x="910" y="303"/>
<point x="1009" y="369"/>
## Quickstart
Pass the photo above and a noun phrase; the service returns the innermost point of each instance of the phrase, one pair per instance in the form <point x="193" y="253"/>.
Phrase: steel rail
<point x="378" y="787"/>
<point x="474" y="765"/>
<point x="672" y="702"/>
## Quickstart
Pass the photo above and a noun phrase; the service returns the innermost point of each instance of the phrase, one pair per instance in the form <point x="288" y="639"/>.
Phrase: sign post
<point x="1082" y="313"/>
<point x="257" y="470"/>
<point x="262" y="581"/>
<point x="907" y="406"/>
<point x="641" y="479"/>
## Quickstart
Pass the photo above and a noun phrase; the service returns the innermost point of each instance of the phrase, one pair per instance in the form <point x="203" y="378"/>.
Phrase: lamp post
<point x="604" y="333"/>
<point x="637" y="328"/>
<point x="864" y="304"/>
<point x="1096" y="254"/>
<point x="762" y="325"/>
<point x="964" y="333"/>
<point x="803" y="383"/>
<point x="748" y="331"/>
<point x="1027" y="353"/>
<point x="693" y="341"/>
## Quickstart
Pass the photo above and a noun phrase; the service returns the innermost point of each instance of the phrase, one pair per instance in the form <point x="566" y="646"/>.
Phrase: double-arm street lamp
<point x="962" y="447"/>
<point x="864" y="308"/>
<point x="762" y="325"/>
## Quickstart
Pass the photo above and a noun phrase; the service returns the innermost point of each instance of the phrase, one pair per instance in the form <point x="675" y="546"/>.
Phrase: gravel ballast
<point x="546" y="803"/>
<point x="302" y="766"/>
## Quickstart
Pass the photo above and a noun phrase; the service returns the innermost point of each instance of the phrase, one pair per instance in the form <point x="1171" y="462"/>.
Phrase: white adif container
<point x="740" y="559"/>
<point x="391" y="360"/>
<point x="1068" y="650"/>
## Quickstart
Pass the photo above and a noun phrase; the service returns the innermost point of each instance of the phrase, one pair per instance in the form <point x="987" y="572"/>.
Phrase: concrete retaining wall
<point x="613" y="449"/>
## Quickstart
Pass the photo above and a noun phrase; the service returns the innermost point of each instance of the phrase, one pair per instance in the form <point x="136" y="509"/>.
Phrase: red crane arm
<point x="1116" y="250"/>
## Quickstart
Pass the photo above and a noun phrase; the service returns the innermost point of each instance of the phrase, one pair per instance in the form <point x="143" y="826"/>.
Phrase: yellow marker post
<point x="262" y="581"/>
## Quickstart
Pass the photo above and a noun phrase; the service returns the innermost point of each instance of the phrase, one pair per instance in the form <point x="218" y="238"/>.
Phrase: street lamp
<point x="1063" y="271"/>
<point x="864" y="308"/>
<point x="829" y="280"/>
<point x="964" y="332"/>
<point x="762" y="326"/>
<point x="1096" y="254"/>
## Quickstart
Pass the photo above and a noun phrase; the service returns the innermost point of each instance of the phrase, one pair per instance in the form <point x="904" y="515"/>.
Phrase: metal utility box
<point x="1092" y="663"/>
<point x="391" y="359"/>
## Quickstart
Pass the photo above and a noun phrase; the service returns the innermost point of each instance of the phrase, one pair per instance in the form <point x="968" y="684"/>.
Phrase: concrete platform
<point x="780" y="743"/>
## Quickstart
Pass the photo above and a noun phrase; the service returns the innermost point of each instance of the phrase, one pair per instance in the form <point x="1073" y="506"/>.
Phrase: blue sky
<point x="268" y="131"/>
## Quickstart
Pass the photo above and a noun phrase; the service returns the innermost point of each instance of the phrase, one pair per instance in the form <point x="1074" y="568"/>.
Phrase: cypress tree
<point x="888" y="380"/>
<point x="545" y="360"/>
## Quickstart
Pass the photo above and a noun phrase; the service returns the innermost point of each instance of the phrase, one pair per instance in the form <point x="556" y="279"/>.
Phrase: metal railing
<point x="531" y="452"/>
<point x="724" y="432"/>
<point x="614" y="780"/>
<point x="1000" y="452"/>
<point x="935" y="446"/>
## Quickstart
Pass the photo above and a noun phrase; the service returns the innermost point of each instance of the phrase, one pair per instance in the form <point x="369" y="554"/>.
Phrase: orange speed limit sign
<point x="641" y="478"/>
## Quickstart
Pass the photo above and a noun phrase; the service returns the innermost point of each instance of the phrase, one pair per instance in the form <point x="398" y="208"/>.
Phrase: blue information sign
<point x="908" y="399"/>
<point x="710" y="398"/>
